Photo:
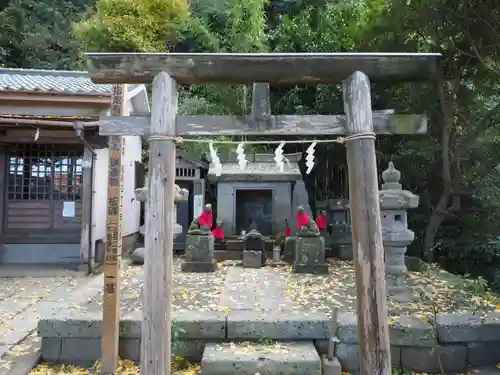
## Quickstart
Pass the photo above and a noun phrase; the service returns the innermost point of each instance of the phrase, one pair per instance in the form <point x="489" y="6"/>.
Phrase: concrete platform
<point x="280" y="358"/>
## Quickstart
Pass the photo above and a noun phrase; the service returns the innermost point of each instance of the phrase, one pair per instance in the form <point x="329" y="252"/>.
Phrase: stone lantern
<point x="341" y="238"/>
<point x="180" y="195"/>
<point x="394" y="203"/>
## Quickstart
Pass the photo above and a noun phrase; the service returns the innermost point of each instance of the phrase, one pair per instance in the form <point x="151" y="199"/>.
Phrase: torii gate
<point x="164" y="127"/>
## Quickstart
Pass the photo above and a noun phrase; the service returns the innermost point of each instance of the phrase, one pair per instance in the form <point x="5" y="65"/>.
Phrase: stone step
<point x="249" y="358"/>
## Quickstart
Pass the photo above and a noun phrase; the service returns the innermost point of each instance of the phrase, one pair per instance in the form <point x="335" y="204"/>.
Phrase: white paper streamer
<point x="310" y="158"/>
<point x="278" y="158"/>
<point x="240" y="152"/>
<point x="215" y="159"/>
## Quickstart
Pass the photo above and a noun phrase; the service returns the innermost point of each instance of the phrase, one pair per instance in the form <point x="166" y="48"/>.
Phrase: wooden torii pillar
<point x="163" y="127"/>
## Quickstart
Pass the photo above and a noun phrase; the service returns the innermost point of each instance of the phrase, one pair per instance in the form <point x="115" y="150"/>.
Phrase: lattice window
<point x="185" y="172"/>
<point x="44" y="172"/>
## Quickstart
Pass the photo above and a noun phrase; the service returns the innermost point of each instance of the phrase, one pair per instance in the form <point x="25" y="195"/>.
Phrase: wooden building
<point x="54" y="167"/>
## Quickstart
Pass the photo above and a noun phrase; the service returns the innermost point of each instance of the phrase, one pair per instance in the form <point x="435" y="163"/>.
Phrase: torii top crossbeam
<point x="247" y="68"/>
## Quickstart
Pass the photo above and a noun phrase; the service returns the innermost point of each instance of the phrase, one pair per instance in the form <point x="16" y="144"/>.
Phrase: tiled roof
<point x="56" y="81"/>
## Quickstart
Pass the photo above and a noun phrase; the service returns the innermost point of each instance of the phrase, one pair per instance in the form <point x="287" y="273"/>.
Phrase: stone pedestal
<point x="395" y="266"/>
<point x="252" y="259"/>
<point x="199" y="254"/>
<point x="310" y="255"/>
<point x="394" y="202"/>
<point x="254" y="245"/>
<point x="289" y="249"/>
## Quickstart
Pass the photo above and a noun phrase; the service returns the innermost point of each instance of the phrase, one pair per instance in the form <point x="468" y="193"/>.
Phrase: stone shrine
<point x="141" y="194"/>
<point x="259" y="193"/>
<point x="199" y="246"/>
<point x="394" y="202"/>
<point x="309" y="247"/>
<point x="254" y="249"/>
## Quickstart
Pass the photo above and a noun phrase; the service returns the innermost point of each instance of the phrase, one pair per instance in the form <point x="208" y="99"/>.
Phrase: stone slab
<point x="274" y="359"/>
<point x="80" y="351"/>
<point x="189" y="324"/>
<point x="481" y="327"/>
<point x="87" y="325"/>
<point x="200" y="325"/>
<point x="277" y="325"/>
<point x="483" y="353"/>
<point x="447" y="359"/>
<point x="21" y="359"/>
<point x="250" y="289"/>
<point x="405" y="331"/>
<point x="199" y="267"/>
<point x="348" y="356"/>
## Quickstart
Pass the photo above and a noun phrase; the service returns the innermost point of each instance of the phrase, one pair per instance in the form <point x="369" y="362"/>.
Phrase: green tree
<point x="462" y="104"/>
<point x="37" y="34"/>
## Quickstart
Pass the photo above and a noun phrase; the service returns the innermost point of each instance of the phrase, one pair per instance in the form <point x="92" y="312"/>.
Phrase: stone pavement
<point x="255" y="289"/>
<point x="24" y="299"/>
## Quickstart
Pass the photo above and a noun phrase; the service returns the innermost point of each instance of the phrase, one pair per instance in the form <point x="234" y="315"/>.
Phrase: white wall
<point x="100" y="195"/>
<point x="131" y="207"/>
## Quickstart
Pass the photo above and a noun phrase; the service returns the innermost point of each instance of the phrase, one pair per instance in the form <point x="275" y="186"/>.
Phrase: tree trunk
<point x="446" y="100"/>
<point x="432" y="229"/>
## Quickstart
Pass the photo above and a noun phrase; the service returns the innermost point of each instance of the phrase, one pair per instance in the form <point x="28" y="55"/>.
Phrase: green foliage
<point x="133" y="25"/>
<point x="37" y="34"/>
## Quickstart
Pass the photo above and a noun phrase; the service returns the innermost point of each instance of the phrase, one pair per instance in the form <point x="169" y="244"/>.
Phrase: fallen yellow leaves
<point x="125" y="367"/>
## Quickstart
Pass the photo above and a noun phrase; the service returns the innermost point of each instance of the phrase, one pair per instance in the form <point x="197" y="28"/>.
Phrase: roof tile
<point x="56" y="81"/>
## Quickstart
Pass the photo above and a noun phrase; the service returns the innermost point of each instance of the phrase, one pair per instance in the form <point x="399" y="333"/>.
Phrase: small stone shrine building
<point x="260" y="193"/>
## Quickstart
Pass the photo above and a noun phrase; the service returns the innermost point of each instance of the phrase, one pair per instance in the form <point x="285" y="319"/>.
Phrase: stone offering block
<point x="199" y="254"/>
<point x="252" y="259"/>
<point x="289" y="249"/>
<point x="310" y="255"/>
<point x="290" y="358"/>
